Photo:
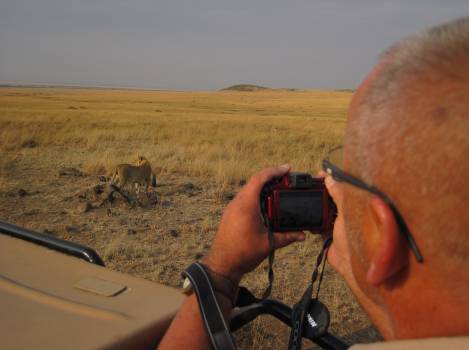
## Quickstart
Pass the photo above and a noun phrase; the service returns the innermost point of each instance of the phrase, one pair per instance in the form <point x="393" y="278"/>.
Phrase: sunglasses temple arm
<point x="405" y="231"/>
<point x="342" y="176"/>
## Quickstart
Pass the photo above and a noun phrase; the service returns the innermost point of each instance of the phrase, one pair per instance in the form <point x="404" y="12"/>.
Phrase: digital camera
<point x="298" y="202"/>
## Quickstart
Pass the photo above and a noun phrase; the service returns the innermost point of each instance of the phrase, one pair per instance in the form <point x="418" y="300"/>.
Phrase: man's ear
<point x="390" y="254"/>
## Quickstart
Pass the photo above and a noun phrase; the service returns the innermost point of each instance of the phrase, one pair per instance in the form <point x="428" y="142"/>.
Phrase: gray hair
<point x="428" y="56"/>
<point x="410" y="135"/>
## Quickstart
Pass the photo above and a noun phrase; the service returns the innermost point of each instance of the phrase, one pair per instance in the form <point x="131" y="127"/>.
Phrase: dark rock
<point x="93" y="193"/>
<point x="166" y="204"/>
<point x="71" y="172"/>
<point x="87" y="207"/>
<point x="174" y="233"/>
<point x="153" y="198"/>
<point x="229" y="196"/>
<point x="98" y="189"/>
<point x="29" y="144"/>
<point x="189" y="186"/>
<point x="32" y="212"/>
<point x="72" y="229"/>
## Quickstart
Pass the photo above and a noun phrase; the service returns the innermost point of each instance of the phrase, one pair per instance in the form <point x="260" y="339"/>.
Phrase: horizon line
<point x="120" y="87"/>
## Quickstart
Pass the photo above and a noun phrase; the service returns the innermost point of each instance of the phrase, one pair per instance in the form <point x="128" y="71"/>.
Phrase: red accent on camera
<point x="273" y="191"/>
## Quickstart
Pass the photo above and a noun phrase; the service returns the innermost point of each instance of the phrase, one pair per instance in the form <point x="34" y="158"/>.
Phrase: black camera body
<point x="297" y="202"/>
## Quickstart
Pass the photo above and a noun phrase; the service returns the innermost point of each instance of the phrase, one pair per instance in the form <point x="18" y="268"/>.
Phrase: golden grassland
<point x="202" y="146"/>
<point x="222" y="135"/>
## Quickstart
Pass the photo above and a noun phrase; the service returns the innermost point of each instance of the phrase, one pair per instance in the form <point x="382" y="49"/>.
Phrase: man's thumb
<point x="286" y="238"/>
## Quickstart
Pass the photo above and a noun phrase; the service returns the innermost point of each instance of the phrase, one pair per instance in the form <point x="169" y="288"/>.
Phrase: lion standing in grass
<point x="140" y="174"/>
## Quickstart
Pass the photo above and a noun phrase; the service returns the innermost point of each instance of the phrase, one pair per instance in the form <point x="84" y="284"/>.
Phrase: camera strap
<point x="309" y="315"/>
<point x="217" y="329"/>
<point x="270" y="236"/>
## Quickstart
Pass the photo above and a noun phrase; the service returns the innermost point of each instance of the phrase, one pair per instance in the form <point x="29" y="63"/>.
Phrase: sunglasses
<point x="342" y="176"/>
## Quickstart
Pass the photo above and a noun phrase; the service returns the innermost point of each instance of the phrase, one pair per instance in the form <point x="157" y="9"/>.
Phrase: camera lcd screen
<point x="300" y="209"/>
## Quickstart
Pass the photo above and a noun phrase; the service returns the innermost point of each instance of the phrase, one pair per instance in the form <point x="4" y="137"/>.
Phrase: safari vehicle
<point x="56" y="294"/>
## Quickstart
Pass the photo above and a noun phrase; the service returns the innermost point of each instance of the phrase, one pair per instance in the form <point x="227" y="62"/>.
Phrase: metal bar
<point x="60" y="245"/>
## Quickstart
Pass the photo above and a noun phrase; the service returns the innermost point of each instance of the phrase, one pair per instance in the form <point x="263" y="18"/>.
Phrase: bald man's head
<point x="408" y="134"/>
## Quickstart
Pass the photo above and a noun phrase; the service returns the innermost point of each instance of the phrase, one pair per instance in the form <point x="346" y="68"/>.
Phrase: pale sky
<point x="206" y="44"/>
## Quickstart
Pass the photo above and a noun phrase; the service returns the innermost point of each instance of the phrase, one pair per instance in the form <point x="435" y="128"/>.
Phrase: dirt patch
<point x="159" y="234"/>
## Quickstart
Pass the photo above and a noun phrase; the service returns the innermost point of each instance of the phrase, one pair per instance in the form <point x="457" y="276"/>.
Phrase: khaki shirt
<point x="450" y="343"/>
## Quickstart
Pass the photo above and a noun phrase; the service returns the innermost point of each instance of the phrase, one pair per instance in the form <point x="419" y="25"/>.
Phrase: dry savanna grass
<point x="221" y="135"/>
<point x="202" y="146"/>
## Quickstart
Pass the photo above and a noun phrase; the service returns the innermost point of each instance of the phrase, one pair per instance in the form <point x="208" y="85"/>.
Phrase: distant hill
<point x="245" y="87"/>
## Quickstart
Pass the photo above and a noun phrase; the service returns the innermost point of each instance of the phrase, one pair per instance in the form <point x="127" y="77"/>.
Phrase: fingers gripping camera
<point x="298" y="202"/>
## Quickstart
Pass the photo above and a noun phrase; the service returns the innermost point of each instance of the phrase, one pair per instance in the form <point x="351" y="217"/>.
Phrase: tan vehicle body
<point x="49" y="300"/>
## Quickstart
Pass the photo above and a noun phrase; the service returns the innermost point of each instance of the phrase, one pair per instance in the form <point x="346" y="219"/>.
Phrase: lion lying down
<point x="140" y="174"/>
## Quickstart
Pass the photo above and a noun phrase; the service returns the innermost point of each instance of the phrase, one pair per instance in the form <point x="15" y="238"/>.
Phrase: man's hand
<point x="241" y="243"/>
